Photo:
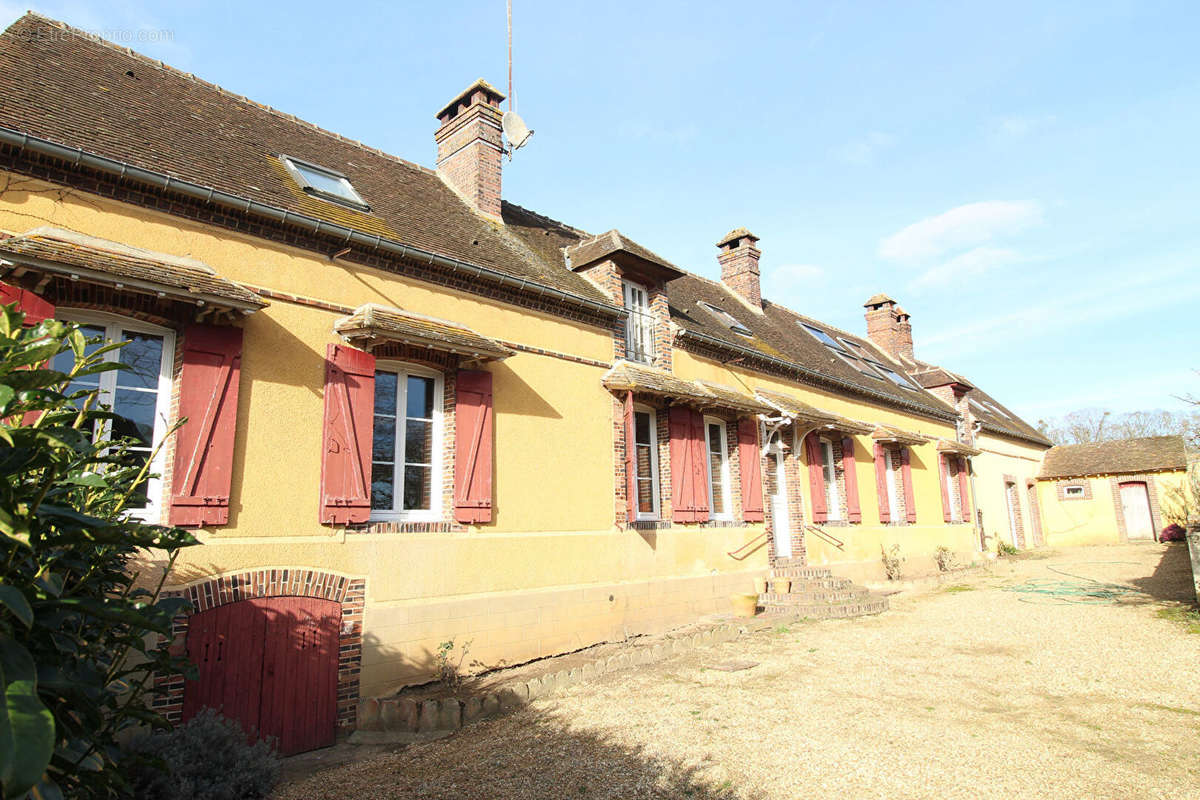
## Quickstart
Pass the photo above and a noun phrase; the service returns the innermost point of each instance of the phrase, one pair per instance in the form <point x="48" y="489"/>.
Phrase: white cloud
<point x="788" y="276"/>
<point x="863" y="150"/>
<point x="970" y="264"/>
<point x="966" y="226"/>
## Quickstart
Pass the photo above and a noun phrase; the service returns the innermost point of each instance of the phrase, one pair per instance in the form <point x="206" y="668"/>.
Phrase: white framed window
<point x="323" y="182"/>
<point x="833" y="503"/>
<point x="892" y="460"/>
<point x="716" y="441"/>
<point x="1073" y="491"/>
<point x="141" y="394"/>
<point x="645" y="459"/>
<point x="639" y="328"/>
<point x="406" y="452"/>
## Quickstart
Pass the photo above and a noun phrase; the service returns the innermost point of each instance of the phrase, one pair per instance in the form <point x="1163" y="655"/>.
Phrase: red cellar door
<point x="271" y="664"/>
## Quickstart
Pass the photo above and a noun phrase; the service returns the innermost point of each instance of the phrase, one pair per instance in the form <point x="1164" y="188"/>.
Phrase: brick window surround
<point x="219" y="590"/>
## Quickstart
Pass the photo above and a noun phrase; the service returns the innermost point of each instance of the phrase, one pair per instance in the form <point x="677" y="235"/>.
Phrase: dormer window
<point x="639" y="328"/>
<point x="324" y="183"/>
<point x="727" y="319"/>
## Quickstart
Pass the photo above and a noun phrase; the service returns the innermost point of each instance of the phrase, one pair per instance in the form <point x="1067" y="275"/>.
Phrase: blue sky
<point x="1022" y="177"/>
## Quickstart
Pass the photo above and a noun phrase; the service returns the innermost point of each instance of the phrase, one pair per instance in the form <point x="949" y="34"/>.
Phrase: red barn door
<point x="271" y="664"/>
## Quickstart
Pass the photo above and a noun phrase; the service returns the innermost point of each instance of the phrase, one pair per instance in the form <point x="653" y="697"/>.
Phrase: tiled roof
<point x="777" y="334"/>
<point x="63" y="252"/>
<point x="947" y="446"/>
<point x="728" y="397"/>
<point x="67" y="87"/>
<point x="1004" y="423"/>
<point x="372" y="322"/>
<point x="1149" y="454"/>
<point x="937" y="376"/>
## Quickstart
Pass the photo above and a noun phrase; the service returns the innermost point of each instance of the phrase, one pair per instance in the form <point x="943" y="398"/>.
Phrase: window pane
<point x="138" y="410"/>
<point x="641" y="427"/>
<point x="716" y="458"/>
<point x="645" y="496"/>
<point x="324" y="182"/>
<point x="143" y="354"/>
<point x="385" y="393"/>
<point x="383" y="448"/>
<point x="644" y="456"/>
<point x="381" y="486"/>
<point x="418" y="488"/>
<point x="418" y="442"/>
<point x="420" y="397"/>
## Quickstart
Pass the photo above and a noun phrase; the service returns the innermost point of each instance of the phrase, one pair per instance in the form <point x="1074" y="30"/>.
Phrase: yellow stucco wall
<point x="1093" y="520"/>
<point x="1005" y="457"/>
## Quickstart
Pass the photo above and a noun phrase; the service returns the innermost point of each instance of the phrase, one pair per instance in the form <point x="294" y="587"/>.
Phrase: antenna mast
<point x="510" y="91"/>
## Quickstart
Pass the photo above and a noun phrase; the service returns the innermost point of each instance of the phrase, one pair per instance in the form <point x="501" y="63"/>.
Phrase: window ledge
<point x="398" y="526"/>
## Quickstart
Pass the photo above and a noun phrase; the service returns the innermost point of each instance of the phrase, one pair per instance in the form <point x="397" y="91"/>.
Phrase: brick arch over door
<point x="218" y="590"/>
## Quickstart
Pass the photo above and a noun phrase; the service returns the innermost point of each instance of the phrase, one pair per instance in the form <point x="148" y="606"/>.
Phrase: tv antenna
<point x="515" y="129"/>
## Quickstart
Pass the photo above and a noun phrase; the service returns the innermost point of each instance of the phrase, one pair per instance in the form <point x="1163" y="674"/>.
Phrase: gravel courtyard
<point x="1031" y="680"/>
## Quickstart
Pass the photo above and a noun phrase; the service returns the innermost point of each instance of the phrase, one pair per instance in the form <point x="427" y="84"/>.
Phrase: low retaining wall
<point x="410" y="719"/>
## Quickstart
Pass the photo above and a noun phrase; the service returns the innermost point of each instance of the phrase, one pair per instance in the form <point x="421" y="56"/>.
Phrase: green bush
<point x="79" y="626"/>
<point x="208" y="758"/>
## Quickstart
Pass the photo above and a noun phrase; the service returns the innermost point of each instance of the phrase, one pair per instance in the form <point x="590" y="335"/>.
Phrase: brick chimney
<point x="889" y="328"/>
<point x="470" y="145"/>
<point x="738" y="258"/>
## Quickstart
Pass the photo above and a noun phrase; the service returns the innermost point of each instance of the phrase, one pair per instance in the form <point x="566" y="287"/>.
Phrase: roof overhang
<point x="958" y="448"/>
<point x="372" y="324"/>
<point x="889" y="435"/>
<point x="628" y="377"/>
<point x="634" y="260"/>
<point x="39" y="256"/>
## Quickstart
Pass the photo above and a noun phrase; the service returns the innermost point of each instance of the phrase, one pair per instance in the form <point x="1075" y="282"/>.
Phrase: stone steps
<point x="809" y="597"/>
<point x="874" y="605"/>
<point x="815" y="593"/>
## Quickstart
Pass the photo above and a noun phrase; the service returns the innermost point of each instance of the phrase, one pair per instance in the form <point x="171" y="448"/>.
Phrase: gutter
<point x="818" y="377"/>
<point x="121" y="169"/>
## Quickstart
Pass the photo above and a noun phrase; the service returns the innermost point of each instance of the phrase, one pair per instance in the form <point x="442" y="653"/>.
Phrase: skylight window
<point x="886" y="371"/>
<point x="323" y="182"/>
<point x="728" y="319"/>
<point x="839" y="350"/>
<point x="895" y="377"/>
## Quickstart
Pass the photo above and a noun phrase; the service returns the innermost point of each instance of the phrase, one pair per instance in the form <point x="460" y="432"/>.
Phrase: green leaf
<point x="6" y="394"/>
<point x="31" y="731"/>
<point x="15" y="601"/>
<point x="46" y="790"/>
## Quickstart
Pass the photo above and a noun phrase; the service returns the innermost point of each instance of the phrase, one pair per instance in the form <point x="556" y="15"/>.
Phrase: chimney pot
<point x="738" y="256"/>
<point x="889" y="328"/>
<point x="470" y="144"/>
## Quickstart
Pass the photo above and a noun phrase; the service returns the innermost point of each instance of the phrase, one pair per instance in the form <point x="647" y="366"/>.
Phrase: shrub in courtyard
<point x="208" y="758"/>
<point x="78" y="629"/>
<point x="1003" y="548"/>
<point x="1172" y="533"/>
<point x="892" y="561"/>
<point x="945" y="558"/>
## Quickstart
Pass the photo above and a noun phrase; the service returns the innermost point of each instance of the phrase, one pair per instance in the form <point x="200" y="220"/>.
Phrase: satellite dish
<point x="515" y="130"/>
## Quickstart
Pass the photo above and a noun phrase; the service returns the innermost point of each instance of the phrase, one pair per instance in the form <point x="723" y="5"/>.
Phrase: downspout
<point x="207" y="194"/>
<point x="977" y="512"/>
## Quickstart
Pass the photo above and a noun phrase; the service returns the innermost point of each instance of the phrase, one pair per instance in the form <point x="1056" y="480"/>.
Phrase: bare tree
<point x="1100" y="425"/>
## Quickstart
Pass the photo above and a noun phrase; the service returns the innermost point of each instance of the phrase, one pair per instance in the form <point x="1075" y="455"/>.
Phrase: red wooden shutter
<point x="473" y="451"/>
<point x="689" y="490"/>
<point x="962" y="489"/>
<point x="816" y="478"/>
<point x="630" y="461"/>
<point x="699" y="439"/>
<point x="947" y="511"/>
<point x="910" y="504"/>
<point x="751" y="469"/>
<point x="208" y="397"/>
<point x="36" y="308"/>
<point x="881" y="490"/>
<point x="849" y="466"/>
<point x="349" y="423"/>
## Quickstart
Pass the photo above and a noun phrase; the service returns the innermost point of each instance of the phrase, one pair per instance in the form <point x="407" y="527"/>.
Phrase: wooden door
<point x="1135" y="505"/>
<point x="271" y="664"/>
